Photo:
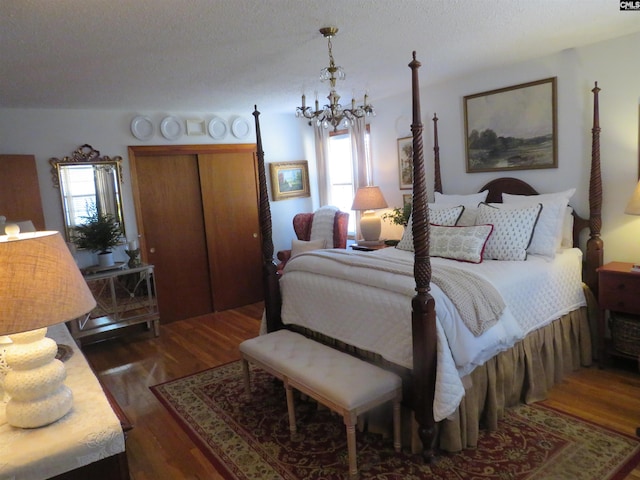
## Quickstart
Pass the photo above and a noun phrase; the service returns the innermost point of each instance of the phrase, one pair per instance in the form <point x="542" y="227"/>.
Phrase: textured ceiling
<point x="221" y="55"/>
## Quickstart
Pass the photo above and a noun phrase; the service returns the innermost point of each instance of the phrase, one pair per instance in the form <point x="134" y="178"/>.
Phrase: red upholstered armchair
<point x="302" y="223"/>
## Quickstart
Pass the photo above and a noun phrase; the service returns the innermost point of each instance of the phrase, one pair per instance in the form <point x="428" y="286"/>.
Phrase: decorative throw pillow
<point x="437" y="215"/>
<point x="465" y="244"/>
<point x="469" y="202"/>
<point x="512" y="229"/>
<point x="301" y="246"/>
<point x="547" y="236"/>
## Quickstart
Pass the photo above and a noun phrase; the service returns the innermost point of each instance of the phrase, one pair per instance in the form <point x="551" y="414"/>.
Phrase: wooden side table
<point x="618" y="292"/>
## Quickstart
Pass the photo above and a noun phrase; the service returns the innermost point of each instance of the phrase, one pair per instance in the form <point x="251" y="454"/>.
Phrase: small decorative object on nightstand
<point x="618" y="292"/>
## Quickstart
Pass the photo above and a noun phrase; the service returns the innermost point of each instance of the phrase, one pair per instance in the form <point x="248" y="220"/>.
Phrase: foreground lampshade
<point x="369" y="199"/>
<point x="41" y="286"/>
<point x="633" y="207"/>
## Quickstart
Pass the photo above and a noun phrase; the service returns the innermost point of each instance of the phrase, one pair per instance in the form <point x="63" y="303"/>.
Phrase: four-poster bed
<point x="488" y="387"/>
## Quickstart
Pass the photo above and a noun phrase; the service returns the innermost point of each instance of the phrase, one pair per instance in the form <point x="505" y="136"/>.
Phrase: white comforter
<point x="369" y="306"/>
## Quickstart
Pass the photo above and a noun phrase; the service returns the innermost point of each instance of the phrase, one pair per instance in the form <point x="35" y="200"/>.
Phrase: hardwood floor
<point x="159" y="449"/>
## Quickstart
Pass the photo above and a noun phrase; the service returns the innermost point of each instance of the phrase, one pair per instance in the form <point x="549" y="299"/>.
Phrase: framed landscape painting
<point x="289" y="179"/>
<point x="405" y="162"/>
<point x="512" y="128"/>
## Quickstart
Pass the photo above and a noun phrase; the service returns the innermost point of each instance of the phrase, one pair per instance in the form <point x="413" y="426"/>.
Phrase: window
<point x="341" y="172"/>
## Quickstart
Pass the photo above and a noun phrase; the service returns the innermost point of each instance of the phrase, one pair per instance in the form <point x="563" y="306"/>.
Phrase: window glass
<point x="341" y="172"/>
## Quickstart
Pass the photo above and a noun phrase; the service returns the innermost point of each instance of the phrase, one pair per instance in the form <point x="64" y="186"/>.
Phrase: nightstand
<point x="619" y="293"/>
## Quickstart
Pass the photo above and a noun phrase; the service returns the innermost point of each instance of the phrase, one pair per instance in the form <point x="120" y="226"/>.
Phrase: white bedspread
<point x="370" y="308"/>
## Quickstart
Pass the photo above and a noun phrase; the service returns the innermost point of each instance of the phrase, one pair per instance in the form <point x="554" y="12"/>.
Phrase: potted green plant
<point x="99" y="234"/>
<point x="398" y="216"/>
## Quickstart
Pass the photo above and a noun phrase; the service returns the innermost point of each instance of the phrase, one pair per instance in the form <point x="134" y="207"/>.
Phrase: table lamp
<point x="633" y="207"/>
<point x="369" y="199"/>
<point x="41" y="286"/>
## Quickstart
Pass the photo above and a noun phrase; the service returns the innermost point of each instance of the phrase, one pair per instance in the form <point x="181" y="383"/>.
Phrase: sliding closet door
<point x="170" y="220"/>
<point x="229" y="184"/>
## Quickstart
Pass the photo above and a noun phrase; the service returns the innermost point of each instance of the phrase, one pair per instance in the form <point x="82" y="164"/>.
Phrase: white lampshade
<point x="41" y="286"/>
<point x="633" y="207"/>
<point x="369" y="199"/>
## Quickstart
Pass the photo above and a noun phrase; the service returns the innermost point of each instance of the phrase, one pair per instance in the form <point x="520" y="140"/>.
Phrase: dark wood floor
<point x="159" y="449"/>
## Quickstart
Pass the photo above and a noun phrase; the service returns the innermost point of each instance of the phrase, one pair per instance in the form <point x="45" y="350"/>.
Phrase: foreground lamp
<point x="633" y="207"/>
<point x="333" y="113"/>
<point x="41" y="286"/>
<point x="367" y="200"/>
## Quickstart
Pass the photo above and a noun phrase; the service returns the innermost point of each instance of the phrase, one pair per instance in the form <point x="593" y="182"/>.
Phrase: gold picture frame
<point x="512" y="128"/>
<point x="289" y="179"/>
<point x="405" y="162"/>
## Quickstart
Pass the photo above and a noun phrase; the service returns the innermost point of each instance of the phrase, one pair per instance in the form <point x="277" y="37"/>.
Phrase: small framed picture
<point x="405" y="162"/>
<point x="289" y="179"/>
<point x="195" y="127"/>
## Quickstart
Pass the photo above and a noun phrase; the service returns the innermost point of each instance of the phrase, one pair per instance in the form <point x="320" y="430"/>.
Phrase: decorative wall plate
<point x="171" y="128"/>
<point x="240" y="128"/>
<point x="142" y="127"/>
<point x="217" y="128"/>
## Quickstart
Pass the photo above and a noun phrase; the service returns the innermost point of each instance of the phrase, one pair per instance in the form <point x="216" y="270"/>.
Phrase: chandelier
<point x="333" y="113"/>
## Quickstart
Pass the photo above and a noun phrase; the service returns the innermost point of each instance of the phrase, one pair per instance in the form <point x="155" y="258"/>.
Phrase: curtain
<point x="362" y="174"/>
<point x="322" y="163"/>
<point x="105" y="195"/>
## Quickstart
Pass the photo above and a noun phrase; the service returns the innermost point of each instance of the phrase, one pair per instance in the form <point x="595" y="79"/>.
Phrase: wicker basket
<point x="625" y="331"/>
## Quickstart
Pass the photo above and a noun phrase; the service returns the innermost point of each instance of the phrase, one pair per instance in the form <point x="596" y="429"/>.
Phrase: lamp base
<point x="370" y="226"/>
<point x="34" y="382"/>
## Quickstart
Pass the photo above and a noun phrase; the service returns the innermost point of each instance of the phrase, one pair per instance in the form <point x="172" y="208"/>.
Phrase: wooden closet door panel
<point x="20" y="189"/>
<point x="230" y="199"/>
<point x="173" y="233"/>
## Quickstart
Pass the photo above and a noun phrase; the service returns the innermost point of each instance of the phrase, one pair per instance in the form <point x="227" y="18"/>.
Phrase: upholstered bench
<point x="339" y="381"/>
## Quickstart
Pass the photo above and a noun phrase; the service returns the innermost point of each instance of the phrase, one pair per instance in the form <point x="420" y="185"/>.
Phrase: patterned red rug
<point x="249" y="439"/>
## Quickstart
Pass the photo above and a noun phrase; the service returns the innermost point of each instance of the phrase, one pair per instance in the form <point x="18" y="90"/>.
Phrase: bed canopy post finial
<point x="437" y="180"/>
<point x="270" y="281"/>
<point x="594" y="244"/>
<point x="423" y="306"/>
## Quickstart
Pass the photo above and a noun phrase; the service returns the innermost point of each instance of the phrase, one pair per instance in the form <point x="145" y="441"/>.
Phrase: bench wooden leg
<point x="290" y="407"/>
<point x="397" y="442"/>
<point x="351" y="445"/>
<point x="247" y="380"/>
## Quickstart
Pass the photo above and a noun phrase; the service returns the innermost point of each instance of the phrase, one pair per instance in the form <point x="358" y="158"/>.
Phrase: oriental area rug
<point x="248" y="438"/>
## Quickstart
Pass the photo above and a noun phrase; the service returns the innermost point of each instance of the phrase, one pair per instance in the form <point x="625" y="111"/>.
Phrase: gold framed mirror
<point x="88" y="183"/>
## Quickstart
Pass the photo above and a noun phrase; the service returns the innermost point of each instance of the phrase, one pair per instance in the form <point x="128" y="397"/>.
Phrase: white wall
<point x="56" y="133"/>
<point x="613" y="64"/>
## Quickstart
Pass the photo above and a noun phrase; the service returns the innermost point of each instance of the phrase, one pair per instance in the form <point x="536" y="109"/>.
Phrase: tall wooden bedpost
<point x="437" y="180"/>
<point x="270" y="283"/>
<point x="423" y="317"/>
<point x="594" y="244"/>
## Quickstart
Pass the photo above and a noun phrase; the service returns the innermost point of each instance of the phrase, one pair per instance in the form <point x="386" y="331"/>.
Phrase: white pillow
<point x="469" y="202"/>
<point x="301" y="246"/>
<point x="465" y="244"/>
<point x="447" y="216"/>
<point x="547" y="236"/>
<point x="512" y="229"/>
